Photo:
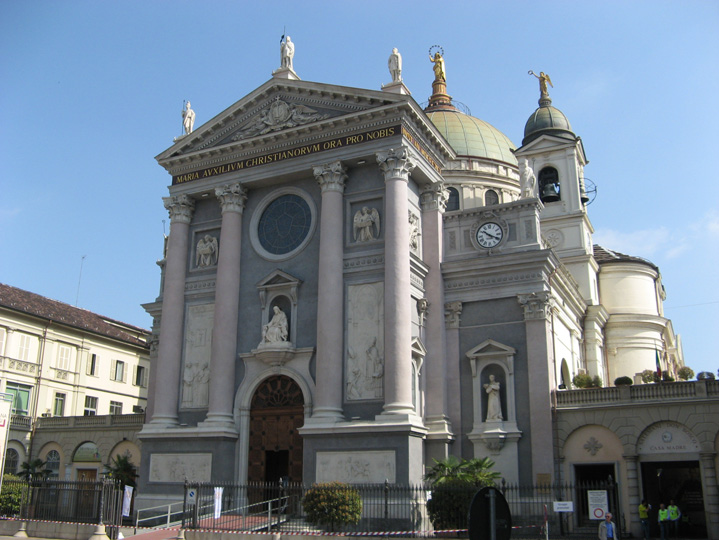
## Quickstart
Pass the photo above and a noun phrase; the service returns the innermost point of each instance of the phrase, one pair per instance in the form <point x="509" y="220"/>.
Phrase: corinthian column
<point x="169" y="355"/>
<point x="227" y="294"/>
<point x="396" y="166"/>
<point x="434" y="200"/>
<point x="330" y="312"/>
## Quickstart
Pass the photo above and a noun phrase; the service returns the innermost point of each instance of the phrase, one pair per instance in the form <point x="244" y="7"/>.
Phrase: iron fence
<point x="68" y="501"/>
<point x="388" y="508"/>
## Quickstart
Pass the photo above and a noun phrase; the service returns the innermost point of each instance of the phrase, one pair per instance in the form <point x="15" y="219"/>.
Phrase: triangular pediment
<point x="550" y="143"/>
<point x="278" y="278"/>
<point x="490" y="347"/>
<point x="281" y="109"/>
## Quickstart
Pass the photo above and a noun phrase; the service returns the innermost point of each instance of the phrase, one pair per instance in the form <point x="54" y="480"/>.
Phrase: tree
<point x="120" y="468"/>
<point x="333" y="504"/>
<point x="33" y="469"/>
<point x="454" y="483"/>
<point x="11" y="495"/>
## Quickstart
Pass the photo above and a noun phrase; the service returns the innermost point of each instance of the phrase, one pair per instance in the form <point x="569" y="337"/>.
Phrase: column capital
<point x="232" y="197"/>
<point x="434" y="197"/>
<point x="331" y="176"/>
<point x="452" y="312"/>
<point x="536" y="305"/>
<point x="180" y="208"/>
<point x="396" y="163"/>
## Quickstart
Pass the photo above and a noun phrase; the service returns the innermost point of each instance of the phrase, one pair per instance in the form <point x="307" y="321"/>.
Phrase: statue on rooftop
<point x="188" y="119"/>
<point x="439" y="72"/>
<point x="395" y="65"/>
<point x="543" y="80"/>
<point x="287" y="53"/>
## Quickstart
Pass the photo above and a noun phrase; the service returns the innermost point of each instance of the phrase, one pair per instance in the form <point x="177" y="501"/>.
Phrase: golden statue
<point x="439" y="73"/>
<point x="543" y="80"/>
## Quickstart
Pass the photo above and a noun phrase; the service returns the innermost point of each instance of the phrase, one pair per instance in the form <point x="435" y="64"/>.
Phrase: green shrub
<point x="11" y="495"/>
<point x="584" y="380"/>
<point x="623" y="381"/>
<point x="449" y="506"/>
<point x="649" y="376"/>
<point x="333" y="504"/>
<point x="685" y="373"/>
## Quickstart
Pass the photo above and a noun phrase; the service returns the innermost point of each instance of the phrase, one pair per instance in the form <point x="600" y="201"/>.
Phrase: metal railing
<point x="160" y="517"/>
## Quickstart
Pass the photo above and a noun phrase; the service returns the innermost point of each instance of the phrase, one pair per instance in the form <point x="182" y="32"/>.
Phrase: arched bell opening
<point x="549" y="186"/>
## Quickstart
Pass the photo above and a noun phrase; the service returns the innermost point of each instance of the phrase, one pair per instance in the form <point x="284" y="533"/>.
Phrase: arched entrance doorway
<point x="276" y="413"/>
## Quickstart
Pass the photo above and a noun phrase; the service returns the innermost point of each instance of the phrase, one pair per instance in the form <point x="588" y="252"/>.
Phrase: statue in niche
<point x="439" y="73"/>
<point x="494" y="406"/>
<point x="188" y="119"/>
<point x="375" y="365"/>
<point x="395" y="65"/>
<point x="366" y="224"/>
<point x="543" y="80"/>
<point x="527" y="179"/>
<point x="206" y="251"/>
<point x="275" y="331"/>
<point x="287" y="53"/>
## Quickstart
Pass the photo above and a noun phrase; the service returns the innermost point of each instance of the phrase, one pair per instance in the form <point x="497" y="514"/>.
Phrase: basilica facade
<point x="354" y="285"/>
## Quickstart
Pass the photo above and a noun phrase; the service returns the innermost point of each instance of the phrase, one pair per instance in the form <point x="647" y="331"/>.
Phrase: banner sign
<point x="284" y="155"/>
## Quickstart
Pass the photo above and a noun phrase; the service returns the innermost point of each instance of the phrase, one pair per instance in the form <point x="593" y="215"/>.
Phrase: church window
<point x="284" y="224"/>
<point x="12" y="459"/>
<point x="52" y="463"/>
<point x="549" y="189"/>
<point x="453" y="200"/>
<point x="491" y="198"/>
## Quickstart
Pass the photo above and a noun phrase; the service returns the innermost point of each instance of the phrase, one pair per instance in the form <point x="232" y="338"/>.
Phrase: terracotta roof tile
<point x="59" y="312"/>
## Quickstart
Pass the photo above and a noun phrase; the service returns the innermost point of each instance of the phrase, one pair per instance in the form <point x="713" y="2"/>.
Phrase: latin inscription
<point x="284" y="155"/>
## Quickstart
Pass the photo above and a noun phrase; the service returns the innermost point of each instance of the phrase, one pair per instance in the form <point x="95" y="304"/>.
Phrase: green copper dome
<point x="547" y="119"/>
<point x="470" y="136"/>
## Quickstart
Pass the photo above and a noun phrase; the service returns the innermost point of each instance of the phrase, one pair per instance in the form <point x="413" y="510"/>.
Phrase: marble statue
<point x="275" y="331"/>
<point x="527" y="179"/>
<point x="395" y="65"/>
<point x="366" y="224"/>
<point x="413" y="232"/>
<point x="188" y="119"/>
<point x="206" y="251"/>
<point x="439" y="73"/>
<point x="494" y="407"/>
<point x="287" y="53"/>
<point x="543" y="80"/>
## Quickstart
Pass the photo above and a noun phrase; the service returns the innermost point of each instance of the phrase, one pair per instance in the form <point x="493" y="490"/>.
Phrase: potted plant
<point x="623" y="381"/>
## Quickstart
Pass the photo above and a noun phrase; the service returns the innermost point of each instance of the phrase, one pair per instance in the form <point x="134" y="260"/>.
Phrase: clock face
<point x="489" y="234"/>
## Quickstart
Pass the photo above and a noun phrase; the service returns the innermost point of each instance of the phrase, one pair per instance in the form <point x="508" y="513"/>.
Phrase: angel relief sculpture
<point x="366" y="224"/>
<point x="280" y="115"/>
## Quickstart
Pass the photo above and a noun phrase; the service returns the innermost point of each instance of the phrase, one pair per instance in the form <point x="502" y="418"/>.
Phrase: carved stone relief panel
<point x="365" y="467"/>
<point x="197" y="350"/>
<point x="364" y="369"/>
<point x="178" y="467"/>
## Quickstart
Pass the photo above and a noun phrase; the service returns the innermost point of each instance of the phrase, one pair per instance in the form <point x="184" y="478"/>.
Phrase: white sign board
<point x="563" y="506"/>
<point x="191" y="497"/>
<point x="598" y="503"/>
<point x="5" y="415"/>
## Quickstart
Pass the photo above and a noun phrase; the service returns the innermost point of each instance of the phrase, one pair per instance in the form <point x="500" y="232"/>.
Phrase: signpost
<point x="489" y="516"/>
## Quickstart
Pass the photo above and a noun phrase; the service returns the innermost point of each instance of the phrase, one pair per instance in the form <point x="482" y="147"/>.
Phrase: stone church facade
<point x="354" y="286"/>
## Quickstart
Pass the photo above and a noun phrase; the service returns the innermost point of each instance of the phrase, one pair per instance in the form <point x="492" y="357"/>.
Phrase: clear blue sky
<point x="91" y="91"/>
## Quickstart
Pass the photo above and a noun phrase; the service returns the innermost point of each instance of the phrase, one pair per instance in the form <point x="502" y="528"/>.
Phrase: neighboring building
<point x="78" y="380"/>
<point x="354" y="286"/>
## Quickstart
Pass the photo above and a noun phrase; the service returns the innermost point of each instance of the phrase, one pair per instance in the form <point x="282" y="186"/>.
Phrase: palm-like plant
<point x="122" y="470"/>
<point x="32" y="469"/>
<point x="470" y="471"/>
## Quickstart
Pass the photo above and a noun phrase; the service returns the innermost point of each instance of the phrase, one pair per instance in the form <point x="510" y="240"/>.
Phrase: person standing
<point x="663" y="519"/>
<point x="607" y="529"/>
<point x="644" y="517"/>
<point x="674" y="518"/>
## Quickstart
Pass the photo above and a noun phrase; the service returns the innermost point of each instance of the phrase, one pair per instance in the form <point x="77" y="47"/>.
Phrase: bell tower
<point x="556" y="156"/>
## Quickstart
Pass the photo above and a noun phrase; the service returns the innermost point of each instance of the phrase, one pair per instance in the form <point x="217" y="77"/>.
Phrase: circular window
<point x="283" y="224"/>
